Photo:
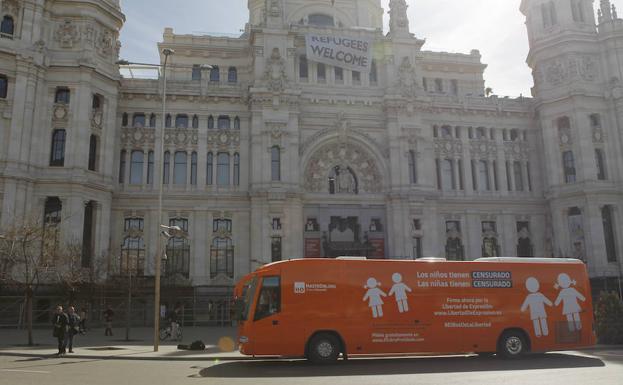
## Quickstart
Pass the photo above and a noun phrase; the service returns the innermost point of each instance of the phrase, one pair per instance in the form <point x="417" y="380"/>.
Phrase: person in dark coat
<point x="108" y="315"/>
<point x="73" y="328"/>
<point x="60" y="321"/>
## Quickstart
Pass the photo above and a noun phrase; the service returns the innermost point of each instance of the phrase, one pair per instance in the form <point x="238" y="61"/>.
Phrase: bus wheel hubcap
<point x="514" y="345"/>
<point x="325" y="349"/>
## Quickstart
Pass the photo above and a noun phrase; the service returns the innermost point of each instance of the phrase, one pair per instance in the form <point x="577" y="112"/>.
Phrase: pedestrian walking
<point x="83" y="320"/>
<point x="60" y="322"/>
<point x="73" y="328"/>
<point x="108" y="317"/>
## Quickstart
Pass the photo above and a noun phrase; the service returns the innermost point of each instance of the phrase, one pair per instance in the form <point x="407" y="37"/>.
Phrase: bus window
<point x="269" y="301"/>
<point x="248" y="292"/>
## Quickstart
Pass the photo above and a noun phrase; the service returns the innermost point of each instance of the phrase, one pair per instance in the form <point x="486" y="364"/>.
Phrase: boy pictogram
<point x="373" y="296"/>
<point x="399" y="291"/>
<point x="536" y="302"/>
<point x="569" y="297"/>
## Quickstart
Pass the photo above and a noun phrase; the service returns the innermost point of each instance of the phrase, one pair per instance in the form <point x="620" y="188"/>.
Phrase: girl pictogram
<point x="373" y="295"/>
<point x="399" y="291"/>
<point x="569" y="298"/>
<point x="536" y="302"/>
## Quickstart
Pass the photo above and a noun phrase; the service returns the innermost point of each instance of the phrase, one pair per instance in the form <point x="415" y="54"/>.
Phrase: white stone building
<point x="269" y="155"/>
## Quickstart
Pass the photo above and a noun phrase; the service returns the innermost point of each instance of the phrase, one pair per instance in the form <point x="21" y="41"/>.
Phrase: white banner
<point x="340" y="51"/>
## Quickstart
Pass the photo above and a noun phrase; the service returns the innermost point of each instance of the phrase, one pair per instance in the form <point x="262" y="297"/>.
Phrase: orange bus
<point x="322" y="309"/>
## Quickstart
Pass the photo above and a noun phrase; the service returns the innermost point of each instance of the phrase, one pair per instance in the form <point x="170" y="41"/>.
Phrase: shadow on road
<point x="356" y="367"/>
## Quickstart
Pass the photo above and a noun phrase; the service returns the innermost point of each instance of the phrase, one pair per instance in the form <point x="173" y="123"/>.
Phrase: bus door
<point x="268" y="328"/>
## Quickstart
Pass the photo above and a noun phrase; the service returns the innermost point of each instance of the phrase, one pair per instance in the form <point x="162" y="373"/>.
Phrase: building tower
<point x="575" y="72"/>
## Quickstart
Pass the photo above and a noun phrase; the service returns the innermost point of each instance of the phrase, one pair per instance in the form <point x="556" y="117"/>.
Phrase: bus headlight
<point x="243" y="339"/>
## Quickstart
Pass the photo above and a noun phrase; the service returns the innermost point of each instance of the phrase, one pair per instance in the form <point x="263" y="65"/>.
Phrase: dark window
<point x="136" y="167"/>
<point x="356" y="77"/>
<point x="210" y="122"/>
<point x="222" y="169"/>
<point x="275" y="249"/>
<point x="87" y="234"/>
<point x="138" y="120"/>
<point x="178" y="251"/>
<point x="7" y="27"/>
<point x="232" y="75"/>
<point x="321" y="71"/>
<point x="4" y="86"/>
<point x="412" y="168"/>
<point x="181" y="121"/>
<point x="275" y="164"/>
<point x="224" y="123"/>
<point x="563" y="123"/>
<point x="168" y="121"/>
<point x="133" y="255"/>
<point x="236" y="170"/>
<point x="210" y="169"/>
<point x="518" y="171"/>
<point x="57" y="158"/>
<point x="514" y="134"/>
<point x="196" y="72"/>
<point x="215" y="75"/>
<point x="373" y="72"/>
<point x="509" y="178"/>
<point x="152" y="120"/>
<point x="93" y="153"/>
<point x="122" y="161"/>
<point x="269" y="300"/>
<point x="150" y="168"/>
<point x="601" y="164"/>
<point x="524" y="243"/>
<point x="124" y="119"/>
<point x="303" y="67"/>
<point x="568" y="162"/>
<point x="96" y="103"/>
<point x="438" y="85"/>
<point x="425" y="84"/>
<point x="339" y="74"/>
<point x="320" y="20"/>
<point x="180" y="167"/>
<point x="62" y="95"/>
<point x="454" y="86"/>
<point x="222" y="225"/>
<point x="193" y="168"/>
<point x="195" y="121"/>
<point x="167" y="167"/>
<point x="595" y="120"/>
<point x="609" y="233"/>
<point x="237" y="123"/>
<point x="222" y="258"/>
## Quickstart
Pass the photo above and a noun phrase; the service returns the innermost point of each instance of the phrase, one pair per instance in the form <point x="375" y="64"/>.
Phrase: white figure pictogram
<point x="536" y="302"/>
<point x="373" y="296"/>
<point x="569" y="298"/>
<point x="399" y="291"/>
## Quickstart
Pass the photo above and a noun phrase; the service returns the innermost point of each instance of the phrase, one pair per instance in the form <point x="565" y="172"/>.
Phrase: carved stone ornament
<point x="448" y="147"/>
<point x="564" y="134"/>
<point x="181" y="137"/>
<point x="106" y="42"/>
<point x="352" y="157"/>
<point x="138" y="136"/>
<point x="556" y="73"/>
<point x="598" y="135"/>
<point x="224" y="139"/>
<point x="96" y="119"/>
<point x="516" y="150"/>
<point x="483" y="149"/>
<point x="274" y="8"/>
<point x="275" y="74"/>
<point x="60" y="112"/>
<point x="67" y="34"/>
<point x="407" y="79"/>
<point x="588" y="68"/>
<point x="10" y="7"/>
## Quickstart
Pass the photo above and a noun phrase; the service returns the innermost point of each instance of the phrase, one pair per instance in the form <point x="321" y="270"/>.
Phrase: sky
<point x="495" y="27"/>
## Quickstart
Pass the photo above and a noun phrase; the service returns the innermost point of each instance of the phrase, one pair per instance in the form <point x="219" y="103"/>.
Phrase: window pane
<point x="62" y="96"/>
<point x="269" y="300"/>
<point x="447" y="172"/>
<point x="232" y="75"/>
<point x="138" y="120"/>
<point x="224" y="123"/>
<point x="181" y="121"/>
<point x="166" y="167"/>
<point x="58" y="148"/>
<point x="518" y="171"/>
<point x="236" y="170"/>
<point x="210" y="122"/>
<point x="92" y="153"/>
<point x="136" y="167"/>
<point x="122" y="167"/>
<point x="150" y="168"/>
<point x="4" y="85"/>
<point x="223" y="169"/>
<point x="196" y="73"/>
<point x="210" y="169"/>
<point x="179" y="168"/>
<point x="276" y="164"/>
<point x="303" y="67"/>
<point x="214" y="74"/>
<point x="193" y="169"/>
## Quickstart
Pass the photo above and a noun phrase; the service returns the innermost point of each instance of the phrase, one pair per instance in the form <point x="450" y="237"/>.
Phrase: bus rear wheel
<point x="323" y="348"/>
<point x="512" y="344"/>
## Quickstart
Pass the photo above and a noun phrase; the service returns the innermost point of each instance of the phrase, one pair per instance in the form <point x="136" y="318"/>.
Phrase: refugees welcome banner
<point x="346" y="52"/>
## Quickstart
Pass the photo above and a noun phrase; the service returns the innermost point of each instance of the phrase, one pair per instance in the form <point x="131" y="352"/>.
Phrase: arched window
<point x="152" y="120"/>
<point x="178" y="251"/>
<point x="168" y="121"/>
<point x="136" y="167"/>
<point x="412" y="168"/>
<point x="320" y="20"/>
<point x="210" y="122"/>
<point x="4" y="86"/>
<point x="133" y="248"/>
<point x="166" y="167"/>
<point x="57" y="157"/>
<point x="93" y="153"/>
<point x="236" y="123"/>
<point x="195" y="121"/>
<point x="232" y="75"/>
<point x="222" y="169"/>
<point x="122" y="161"/>
<point x="181" y="121"/>
<point x="179" y="168"/>
<point x="215" y="75"/>
<point x="303" y="67"/>
<point x="222" y="257"/>
<point x="563" y="123"/>
<point x="7" y="27"/>
<point x="138" y="120"/>
<point x="275" y="164"/>
<point x="224" y="123"/>
<point x="210" y="170"/>
<point x="568" y="164"/>
<point x="62" y="95"/>
<point x="196" y="72"/>
<point x="373" y="73"/>
<point x="236" y="169"/>
<point x="150" y="168"/>
<point x="193" y="168"/>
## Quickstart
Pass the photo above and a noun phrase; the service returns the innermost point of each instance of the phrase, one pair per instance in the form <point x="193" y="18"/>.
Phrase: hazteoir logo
<point x="299" y="287"/>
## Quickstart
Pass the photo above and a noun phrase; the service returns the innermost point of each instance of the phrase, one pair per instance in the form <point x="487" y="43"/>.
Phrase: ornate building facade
<point x="269" y="155"/>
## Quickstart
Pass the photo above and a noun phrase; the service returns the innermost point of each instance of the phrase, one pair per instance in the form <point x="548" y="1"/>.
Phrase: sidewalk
<point x="220" y="345"/>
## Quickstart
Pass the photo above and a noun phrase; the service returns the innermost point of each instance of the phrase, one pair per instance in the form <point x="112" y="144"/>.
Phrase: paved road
<point x="603" y="367"/>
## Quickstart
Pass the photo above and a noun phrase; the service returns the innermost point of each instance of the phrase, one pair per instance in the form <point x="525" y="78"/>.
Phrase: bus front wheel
<point x="512" y="344"/>
<point x="323" y="348"/>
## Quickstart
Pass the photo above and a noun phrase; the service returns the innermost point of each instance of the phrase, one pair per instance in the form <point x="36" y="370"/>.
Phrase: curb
<point x="128" y="357"/>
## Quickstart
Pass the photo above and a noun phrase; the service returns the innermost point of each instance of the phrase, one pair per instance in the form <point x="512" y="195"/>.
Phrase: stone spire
<point x="398" y="20"/>
<point x="605" y="11"/>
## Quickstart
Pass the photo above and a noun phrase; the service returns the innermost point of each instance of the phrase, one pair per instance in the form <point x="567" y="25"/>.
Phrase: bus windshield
<point x="248" y="293"/>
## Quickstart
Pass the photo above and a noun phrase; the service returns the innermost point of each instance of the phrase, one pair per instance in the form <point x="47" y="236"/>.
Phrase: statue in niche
<point x="524" y="244"/>
<point x="454" y="242"/>
<point x="342" y="181"/>
<point x="490" y="248"/>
